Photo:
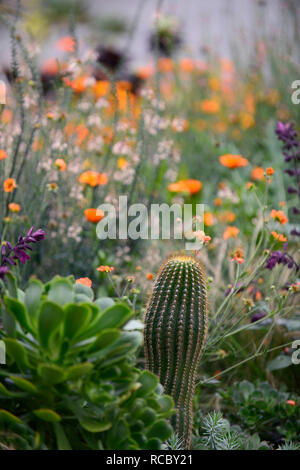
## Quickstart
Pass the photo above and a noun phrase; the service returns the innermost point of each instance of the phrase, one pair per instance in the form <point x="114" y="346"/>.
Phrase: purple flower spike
<point x="18" y="252"/>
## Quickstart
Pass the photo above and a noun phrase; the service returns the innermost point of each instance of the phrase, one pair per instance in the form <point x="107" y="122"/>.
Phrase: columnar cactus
<point x="175" y="333"/>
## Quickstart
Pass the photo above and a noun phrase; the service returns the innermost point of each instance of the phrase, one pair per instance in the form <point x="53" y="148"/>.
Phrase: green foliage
<point x="175" y="331"/>
<point x="260" y="408"/>
<point x="215" y="433"/>
<point x="70" y="381"/>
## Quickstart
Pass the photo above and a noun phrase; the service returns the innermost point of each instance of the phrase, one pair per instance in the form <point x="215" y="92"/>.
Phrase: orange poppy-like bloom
<point x="78" y="84"/>
<point x="291" y="402"/>
<point x="218" y="201"/>
<point x="279" y="216"/>
<point x="9" y="185"/>
<point x="105" y="269"/>
<point x="165" y="64"/>
<point x="85" y="281"/>
<point x="270" y="171"/>
<point x="209" y="219"/>
<point x="210" y="106"/>
<point x="227" y="217"/>
<point x="66" y="44"/>
<point x="149" y="276"/>
<point x="145" y="72"/>
<point x="92" y="178"/>
<point x="13" y="207"/>
<point x="60" y="164"/>
<point x="3" y="155"/>
<point x="230" y="232"/>
<point x="278" y="236"/>
<point x="233" y="161"/>
<point x="186" y="186"/>
<point x="186" y="64"/>
<point x="239" y="259"/>
<point x="122" y="163"/>
<point x="258" y="173"/>
<point x="101" y="88"/>
<point x="93" y="215"/>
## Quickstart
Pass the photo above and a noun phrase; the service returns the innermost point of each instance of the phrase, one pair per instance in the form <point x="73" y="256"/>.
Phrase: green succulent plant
<point x="70" y="380"/>
<point x="174" y="336"/>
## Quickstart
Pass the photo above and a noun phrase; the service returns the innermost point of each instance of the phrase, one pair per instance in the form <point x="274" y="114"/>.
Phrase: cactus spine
<point x="174" y="335"/>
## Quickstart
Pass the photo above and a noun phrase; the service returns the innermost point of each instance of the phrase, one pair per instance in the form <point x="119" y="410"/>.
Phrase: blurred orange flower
<point x="186" y="186"/>
<point x="258" y="173"/>
<point x="233" y="161"/>
<point x="66" y="44"/>
<point x="85" y="281"/>
<point x="279" y="236"/>
<point x="92" y="178"/>
<point x="165" y="64"/>
<point x="279" y="216"/>
<point x="149" y="276"/>
<point x="186" y="64"/>
<point x="209" y="219"/>
<point x="230" y="232"/>
<point x="3" y="154"/>
<point x="13" y="207"/>
<point x="93" y="215"/>
<point x="9" y="185"/>
<point x="101" y="88"/>
<point x="60" y="164"/>
<point x="105" y="269"/>
<point x="210" y="106"/>
<point x="270" y="171"/>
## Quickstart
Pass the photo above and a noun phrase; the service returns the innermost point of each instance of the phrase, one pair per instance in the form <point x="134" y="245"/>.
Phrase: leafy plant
<point x="259" y="407"/>
<point x="70" y="380"/>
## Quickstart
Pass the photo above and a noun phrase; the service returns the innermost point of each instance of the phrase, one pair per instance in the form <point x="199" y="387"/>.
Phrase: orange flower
<point x="186" y="186"/>
<point x="291" y="402"/>
<point x="208" y="219"/>
<point x="149" y="276"/>
<point x="270" y="171"/>
<point x="3" y="155"/>
<point x="279" y="216"/>
<point x="165" y="64"/>
<point x="145" y="72"/>
<point x="210" y="106"/>
<point x="78" y="84"/>
<point x="122" y="163"/>
<point x="92" y="178"/>
<point x="218" y="201"/>
<point x="227" y="217"/>
<point x="247" y="120"/>
<point x="238" y="255"/>
<point x="186" y="64"/>
<point x="60" y="164"/>
<point x="93" y="215"/>
<point x="230" y="232"/>
<point x="85" y="281"/>
<point x="105" y="269"/>
<point x="9" y="185"/>
<point x="14" y="207"/>
<point x="101" y="88"/>
<point x="258" y="173"/>
<point x="278" y="236"/>
<point x="233" y="161"/>
<point x="249" y="186"/>
<point x="66" y="44"/>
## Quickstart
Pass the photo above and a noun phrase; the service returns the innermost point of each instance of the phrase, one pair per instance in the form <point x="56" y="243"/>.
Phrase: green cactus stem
<point x="175" y="333"/>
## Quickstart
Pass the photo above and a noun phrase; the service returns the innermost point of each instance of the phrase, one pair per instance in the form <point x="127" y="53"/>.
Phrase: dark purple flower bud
<point x="258" y="316"/>
<point x="291" y="190"/>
